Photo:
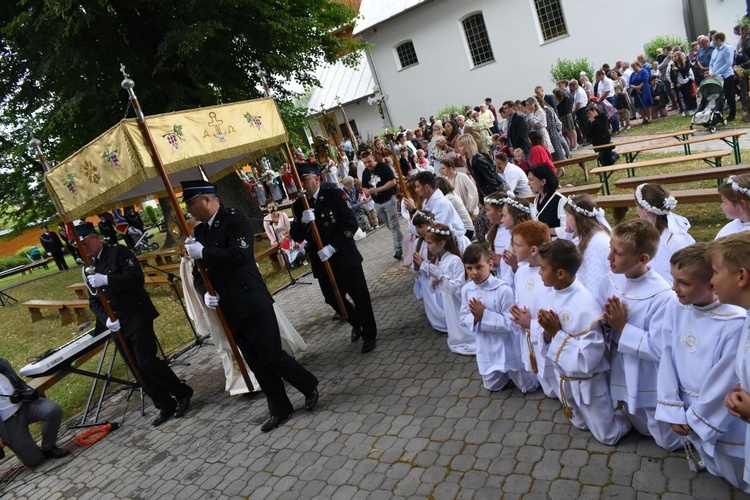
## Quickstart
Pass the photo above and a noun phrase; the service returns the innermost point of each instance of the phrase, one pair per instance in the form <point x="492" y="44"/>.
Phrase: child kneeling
<point x="574" y="341"/>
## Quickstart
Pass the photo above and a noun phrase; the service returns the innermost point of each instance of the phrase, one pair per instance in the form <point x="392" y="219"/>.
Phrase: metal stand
<point x="108" y="379"/>
<point x="292" y="280"/>
<point x="6" y="299"/>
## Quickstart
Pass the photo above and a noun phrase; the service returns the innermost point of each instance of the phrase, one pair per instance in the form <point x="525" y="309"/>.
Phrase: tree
<point x="59" y="62"/>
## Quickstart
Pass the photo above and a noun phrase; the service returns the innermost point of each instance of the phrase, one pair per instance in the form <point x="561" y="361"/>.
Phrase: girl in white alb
<point x="423" y="290"/>
<point x="504" y="213"/>
<point x="447" y="277"/>
<point x="591" y="235"/>
<point x="735" y="202"/>
<point x="655" y="205"/>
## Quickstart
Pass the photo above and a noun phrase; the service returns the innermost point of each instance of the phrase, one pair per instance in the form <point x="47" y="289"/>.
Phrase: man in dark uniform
<point x="224" y="242"/>
<point x="107" y="228"/>
<point x="54" y="247"/>
<point x="336" y="223"/>
<point x="120" y="277"/>
<point x="72" y="250"/>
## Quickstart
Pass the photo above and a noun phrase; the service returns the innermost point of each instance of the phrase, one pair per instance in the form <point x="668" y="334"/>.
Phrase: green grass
<point x="21" y="340"/>
<point x="671" y="123"/>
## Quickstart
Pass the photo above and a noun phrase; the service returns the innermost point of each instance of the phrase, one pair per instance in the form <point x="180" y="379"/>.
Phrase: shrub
<point x="448" y="110"/>
<point x="565" y="69"/>
<point x="153" y="218"/>
<point x="661" y="41"/>
<point x="13" y="261"/>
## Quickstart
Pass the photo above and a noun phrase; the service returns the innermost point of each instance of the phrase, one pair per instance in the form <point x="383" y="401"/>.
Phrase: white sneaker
<point x="683" y="114"/>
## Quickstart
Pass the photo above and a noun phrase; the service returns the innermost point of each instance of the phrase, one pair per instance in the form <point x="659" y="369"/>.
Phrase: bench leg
<point x="36" y="314"/>
<point x="65" y="317"/>
<point x="159" y="261"/>
<point x="619" y="213"/>
<point x="585" y="170"/>
<point x="80" y="315"/>
<point x="275" y="262"/>
<point x="81" y="294"/>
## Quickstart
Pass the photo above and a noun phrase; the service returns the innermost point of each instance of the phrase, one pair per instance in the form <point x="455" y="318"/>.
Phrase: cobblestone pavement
<point x="410" y="419"/>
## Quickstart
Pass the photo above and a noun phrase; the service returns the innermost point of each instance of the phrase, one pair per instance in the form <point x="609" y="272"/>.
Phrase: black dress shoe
<point x="311" y="400"/>
<point x="398" y="256"/>
<point x="275" y="421"/>
<point x="182" y="406"/>
<point x="356" y="333"/>
<point x="55" y="452"/>
<point x="164" y="415"/>
<point x="367" y="346"/>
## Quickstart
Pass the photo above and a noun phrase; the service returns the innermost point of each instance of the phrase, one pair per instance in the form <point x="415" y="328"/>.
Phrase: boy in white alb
<point x="574" y="342"/>
<point x="730" y="261"/>
<point x="696" y="370"/>
<point x="530" y="294"/>
<point x="485" y="304"/>
<point x="634" y="297"/>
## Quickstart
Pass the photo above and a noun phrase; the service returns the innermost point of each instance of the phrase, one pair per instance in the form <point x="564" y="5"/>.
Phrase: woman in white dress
<point x="590" y="232"/>
<point x="654" y="204"/>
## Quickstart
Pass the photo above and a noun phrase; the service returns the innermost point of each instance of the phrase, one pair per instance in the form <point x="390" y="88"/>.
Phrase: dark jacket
<point x="51" y="243"/>
<point x="129" y="300"/>
<point x="518" y="133"/>
<point x="229" y="260"/>
<point x="336" y="223"/>
<point x="483" y="171"/>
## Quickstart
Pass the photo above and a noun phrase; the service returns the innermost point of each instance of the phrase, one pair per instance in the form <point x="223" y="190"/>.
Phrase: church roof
<point x="374" y="12"/>
<point x="349" y="84"/>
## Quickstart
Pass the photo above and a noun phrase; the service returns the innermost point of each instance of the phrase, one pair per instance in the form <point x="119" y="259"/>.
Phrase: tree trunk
<point x="169" y="219"/>
<point x="233" y="194"/>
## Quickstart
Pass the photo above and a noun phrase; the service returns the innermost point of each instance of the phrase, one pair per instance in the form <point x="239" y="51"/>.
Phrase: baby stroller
<point x="711" y="91"/>
<point x="143" y="245"/>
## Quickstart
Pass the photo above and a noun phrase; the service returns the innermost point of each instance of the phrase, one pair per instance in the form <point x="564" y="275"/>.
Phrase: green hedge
<point x="13" y="261"/>
<point x="661" y="41"/>
<point x="566" y="69"/>
<point x="448" y="110"/>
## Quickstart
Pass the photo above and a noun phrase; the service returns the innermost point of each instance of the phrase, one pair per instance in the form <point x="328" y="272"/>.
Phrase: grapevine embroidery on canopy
<point x="255" y="120"/>
<point x="111" y="156"/>
<point x="174" y="136"/>
<point x="71" y="183"/>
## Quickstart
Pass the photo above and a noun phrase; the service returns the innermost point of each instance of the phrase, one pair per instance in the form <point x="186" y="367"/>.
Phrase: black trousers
<point x="351" y="282"/>
<point x="730" y="96"/>
<point x="60" y="261"/>
<point x="157" y="379"/>
<point x="259" y="341"/>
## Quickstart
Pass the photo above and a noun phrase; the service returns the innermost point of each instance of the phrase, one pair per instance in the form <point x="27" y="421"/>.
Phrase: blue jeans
<point x="615" y="120"/>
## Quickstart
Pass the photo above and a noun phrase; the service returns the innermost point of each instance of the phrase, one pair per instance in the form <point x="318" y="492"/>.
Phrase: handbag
<point x="608" y="157"/>
<point x="693" y="89"/>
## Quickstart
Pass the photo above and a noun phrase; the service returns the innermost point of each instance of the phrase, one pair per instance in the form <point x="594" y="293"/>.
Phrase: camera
<point x="25" y="395"/>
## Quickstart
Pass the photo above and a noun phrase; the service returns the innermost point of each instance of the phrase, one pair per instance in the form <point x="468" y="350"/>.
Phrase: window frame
<point x="467" y="43"/>
<point x="399" y="62"/>
<point x="539" y="28"/>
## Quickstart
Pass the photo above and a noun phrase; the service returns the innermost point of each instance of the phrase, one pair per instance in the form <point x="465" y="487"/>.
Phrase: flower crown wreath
<point x="443" y="232"/>
<point x="736" y="186"/>
<point x="509" y="201"/>
<point x="423" y="215"/>
<point x="669" y="203"/>
<point x="587" y="213"/>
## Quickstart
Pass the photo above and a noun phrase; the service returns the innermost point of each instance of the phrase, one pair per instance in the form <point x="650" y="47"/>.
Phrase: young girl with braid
<point x="503" y="219"/>
<point x="590" y="232"/>
<point x="735" y="202"/>
<point x="433" y="303"/>
<point x="447" y="277"/>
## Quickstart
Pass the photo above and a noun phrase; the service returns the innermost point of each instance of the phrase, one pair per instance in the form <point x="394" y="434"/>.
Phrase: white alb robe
<point x="461" y="340"/>
<point x="669" y="243"/>
<point x="498" y="347"/>
<point x="735" y="226"/>
<point x="637" y="350"/>
<point x="696" y="372"/>
<point x="433" y="302"/>
<point x="742" y="369"/>
<point x="578" y="352"/>
<point x="503" y="241"/>
<point x="594" y="266"/>
<point x="444" y="213"/>
<point x="531" y="293"/>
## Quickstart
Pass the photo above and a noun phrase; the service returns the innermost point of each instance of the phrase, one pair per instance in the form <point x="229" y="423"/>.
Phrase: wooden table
<point x="680" y="134"/>
<point x="730" y="138"/>
<point x="580" y="160"/>
<point x="619" y="203"/>
<point x="718" y="173"/>
<point x="606" y="172"/>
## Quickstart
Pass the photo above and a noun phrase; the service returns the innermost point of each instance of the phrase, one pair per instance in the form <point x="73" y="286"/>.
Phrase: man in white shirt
<point x="579" y="107"/>
<point x="514" y="176"/>
<point x="605" y="89"/>
<point x="20" y="406"/>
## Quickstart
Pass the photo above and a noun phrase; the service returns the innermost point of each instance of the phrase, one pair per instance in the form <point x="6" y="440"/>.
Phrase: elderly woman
<point x="461" y="184"/>
<point x="537" y="121"/>
<point x="276" y="223"/>
<point x="639" y="82"/>
<point x="350" y="190"/>
<point x="442" y="151"/>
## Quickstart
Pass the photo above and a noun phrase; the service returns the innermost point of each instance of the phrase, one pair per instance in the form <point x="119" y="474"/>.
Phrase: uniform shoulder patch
<point x="232" y="211"/>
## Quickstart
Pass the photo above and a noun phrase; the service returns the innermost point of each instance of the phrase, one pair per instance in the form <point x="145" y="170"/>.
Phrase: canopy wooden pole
<point x="316" y="233"/>
<point x="128" y="85"/>
<point x="399" y="174"/>
<point x="346" y="121"/>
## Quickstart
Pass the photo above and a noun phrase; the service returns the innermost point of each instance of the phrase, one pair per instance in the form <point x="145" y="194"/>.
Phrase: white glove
<point x="326" y="252"/>
<point x="113" y="325"/>
<point x="97" y="280"/>
<point x="49" y="254"/>
<point x="435" y="272"/>
<point x="308" y="216"/>
<point x="211" y="301"/>
<point x="195" y="250"/>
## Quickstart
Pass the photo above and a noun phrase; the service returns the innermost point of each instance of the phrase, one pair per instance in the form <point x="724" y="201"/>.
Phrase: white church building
<point x="426" y="54"/>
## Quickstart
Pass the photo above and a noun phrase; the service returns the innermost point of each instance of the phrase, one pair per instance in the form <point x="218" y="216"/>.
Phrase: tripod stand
<point x="275" y="242"/>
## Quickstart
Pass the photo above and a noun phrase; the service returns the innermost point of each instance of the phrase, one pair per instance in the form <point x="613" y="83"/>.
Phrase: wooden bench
<point x="165" y="257"/>
<point x="580" y="161"/>
<point x="606" y="172"/>
<point x="680" y="134"/>
<point x="23" y="269"/>
<point x="273" y="254"/>
<point x="619" y="203"/>
<point x="167" y="268"/>
<point x="568" y="191"/>
<point x="42" y="384"/>
<point x="63" y="307"/>
<point x="717" y="173"/>
<point x="730" y="138"/>
<point x="158" y="280"/>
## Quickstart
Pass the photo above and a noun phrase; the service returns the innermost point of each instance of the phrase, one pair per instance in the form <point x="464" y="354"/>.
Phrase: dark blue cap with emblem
<point x="85" y="229"/>
<point x="191" y="189"/>
<point x="307" y="168"/>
